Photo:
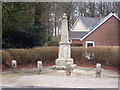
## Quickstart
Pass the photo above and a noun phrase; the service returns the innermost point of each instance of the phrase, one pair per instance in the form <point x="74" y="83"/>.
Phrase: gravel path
<point x="81" y="77"/>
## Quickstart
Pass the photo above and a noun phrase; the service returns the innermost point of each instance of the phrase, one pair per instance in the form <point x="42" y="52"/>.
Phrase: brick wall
<point x="76" y="43"/>
<point x="106" y="34"/>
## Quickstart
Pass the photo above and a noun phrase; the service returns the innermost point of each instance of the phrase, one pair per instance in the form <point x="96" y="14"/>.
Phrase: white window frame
<point x="89" y="42"/>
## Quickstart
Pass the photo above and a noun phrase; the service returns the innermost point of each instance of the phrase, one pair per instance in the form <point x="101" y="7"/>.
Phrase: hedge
<point x="6" y="59"/>
<point x="31" y="56"/>
<point x="104" y="55"/>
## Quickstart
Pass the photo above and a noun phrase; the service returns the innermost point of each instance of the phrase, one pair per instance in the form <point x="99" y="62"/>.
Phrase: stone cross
<point x="39" y="66"/>
<point x="14" y="65"/>
<point x="98" y="70"/>
<point x="64" y="54"/>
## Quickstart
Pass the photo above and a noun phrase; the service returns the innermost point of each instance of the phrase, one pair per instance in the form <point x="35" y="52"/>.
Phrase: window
<point x="90" y="44"/>
<point x="91" y="54"/>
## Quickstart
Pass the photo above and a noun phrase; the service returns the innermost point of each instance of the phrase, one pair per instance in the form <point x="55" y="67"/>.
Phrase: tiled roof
<point x="90" y="22"/>
<point x="100" y="23"/>
<point x="76" y="35"/>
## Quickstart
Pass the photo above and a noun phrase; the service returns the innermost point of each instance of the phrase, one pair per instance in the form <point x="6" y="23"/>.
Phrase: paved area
<point x="59" y="88"/>
<point x="81" y="78"/>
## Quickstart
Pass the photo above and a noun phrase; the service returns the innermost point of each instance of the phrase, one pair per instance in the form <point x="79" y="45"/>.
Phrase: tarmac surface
<point x="81" y="77"/>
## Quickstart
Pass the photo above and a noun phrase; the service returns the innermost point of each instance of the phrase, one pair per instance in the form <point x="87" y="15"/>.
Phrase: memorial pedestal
<point x="64" y="54"/>
<point x="60" y="64"/>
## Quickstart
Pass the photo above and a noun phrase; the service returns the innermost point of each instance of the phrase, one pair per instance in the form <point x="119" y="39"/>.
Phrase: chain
<point x="89" y="74"/>
<point x="101" y="73"/>
<point x="86" y="74"/>
<point x="90" y="69"/>
<point x="110" y="76"/>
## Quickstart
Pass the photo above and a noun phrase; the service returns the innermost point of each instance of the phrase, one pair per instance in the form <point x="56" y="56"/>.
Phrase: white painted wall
<point x="79" y="26"/>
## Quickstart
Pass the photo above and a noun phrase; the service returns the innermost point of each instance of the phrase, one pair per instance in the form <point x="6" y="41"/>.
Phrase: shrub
<point x="104" y="55"/>
<point x="78" y="53"/>
<point x="31" y="56"/>
<point x="52" y="43"/>
<point x="45" y="54"/>
<point x="19" y="55"/>
<point x="6" y="59"/>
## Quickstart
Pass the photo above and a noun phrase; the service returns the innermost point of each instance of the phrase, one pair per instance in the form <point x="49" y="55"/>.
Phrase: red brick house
<point x="103" y="32"/>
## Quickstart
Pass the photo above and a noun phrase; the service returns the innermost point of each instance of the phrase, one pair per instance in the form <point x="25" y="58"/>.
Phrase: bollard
<point x="68" y="69"/>
<point x="14" y="65"/>
<point x="98" y="70"/>
<point x="39" y="66"/>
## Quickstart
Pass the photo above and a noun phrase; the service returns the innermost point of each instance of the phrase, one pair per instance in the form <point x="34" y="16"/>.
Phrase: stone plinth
<point x="60" y="64"/>
<point x="64" y="54"/>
